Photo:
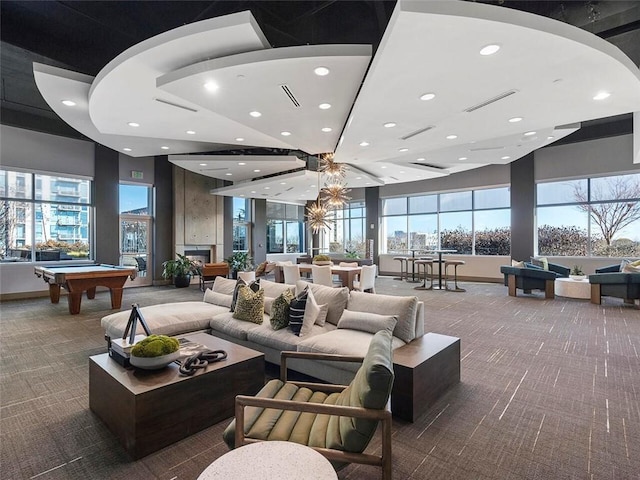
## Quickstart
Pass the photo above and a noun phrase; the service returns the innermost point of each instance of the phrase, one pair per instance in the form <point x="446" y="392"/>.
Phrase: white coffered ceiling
<point x="545" y="72"/>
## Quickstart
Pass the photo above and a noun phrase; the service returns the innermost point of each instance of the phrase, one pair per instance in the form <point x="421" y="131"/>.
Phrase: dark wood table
<point x="79" y="278"/>
<point x="150" y="409"/>
<point x="346" y="274"/>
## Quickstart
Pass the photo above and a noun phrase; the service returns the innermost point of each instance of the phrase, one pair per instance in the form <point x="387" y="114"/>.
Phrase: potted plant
<point x="577" y="273"/>
<point x="180" y="270"/>
<point x="321" y="259"/>
<point x="239" y="262"/>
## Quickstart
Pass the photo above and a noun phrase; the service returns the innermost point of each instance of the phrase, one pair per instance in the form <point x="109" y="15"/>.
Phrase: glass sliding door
<point x="136" y="227"/>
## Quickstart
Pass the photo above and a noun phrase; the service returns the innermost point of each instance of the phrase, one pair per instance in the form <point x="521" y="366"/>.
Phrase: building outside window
<point x="471" y="222"/>
<point x="285" y="228"/>
<point x="241" y="224"/>
<point x="347" y="232"/>
<point x="44" y="217"/>
<point x="597" y="217"/>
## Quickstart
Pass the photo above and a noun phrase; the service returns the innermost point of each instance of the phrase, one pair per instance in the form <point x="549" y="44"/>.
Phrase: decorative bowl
<point x="322" y="262"/>
<point x="578" y="277"/>
<point x="154" y="363"/>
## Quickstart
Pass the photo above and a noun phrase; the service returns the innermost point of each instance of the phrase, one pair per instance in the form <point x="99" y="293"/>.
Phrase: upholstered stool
<point x="403" y="267"/>
<point x="427" y="264"/>
<point x="455" y="264"/>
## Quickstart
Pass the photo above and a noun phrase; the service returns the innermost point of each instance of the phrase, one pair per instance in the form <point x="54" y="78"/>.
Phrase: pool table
<point x="78" y="278"/>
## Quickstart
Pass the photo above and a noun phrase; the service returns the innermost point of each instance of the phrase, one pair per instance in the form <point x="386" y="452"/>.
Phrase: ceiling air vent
<point x="485" y="149"/>
<point x="490" y="101"/>
<point x="289" y="93"/>
<point x="431" y="168"/>
<point x="183" y="107"/>
<point x="417" y="132"/>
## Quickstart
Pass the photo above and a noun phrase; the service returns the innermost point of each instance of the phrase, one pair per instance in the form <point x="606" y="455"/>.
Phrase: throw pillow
<point x="217" y="298"/>
<point x="629" y="266"/>
<point x="249" y="305"/>
<point x="313" y="313"/>
<point x="515" y="263"/>
<point x="296" y="311"/>
<point x="280" y="309"/>
<point x="268" y="303"/>
<point x="541" y="262"/>
<point x="224" y="285"/>
<point x="367" y="322"/>
<point x="254" y="286"/>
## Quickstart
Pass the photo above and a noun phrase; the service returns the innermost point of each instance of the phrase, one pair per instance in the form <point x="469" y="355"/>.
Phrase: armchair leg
<point x="386" y="447"/>
<point x="595" y="294"/>
<point x="549" y="289"/>
<point x="511" y="282"/>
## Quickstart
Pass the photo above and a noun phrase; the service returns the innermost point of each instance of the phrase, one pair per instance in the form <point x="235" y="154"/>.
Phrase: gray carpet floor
<point x="550" y="389"/>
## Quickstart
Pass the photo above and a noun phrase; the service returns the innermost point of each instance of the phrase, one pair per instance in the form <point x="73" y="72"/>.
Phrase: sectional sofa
<point x="352" y="318"/>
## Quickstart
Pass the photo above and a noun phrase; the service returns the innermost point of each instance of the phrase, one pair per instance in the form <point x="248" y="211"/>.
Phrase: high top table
<point x="440" y="263"/>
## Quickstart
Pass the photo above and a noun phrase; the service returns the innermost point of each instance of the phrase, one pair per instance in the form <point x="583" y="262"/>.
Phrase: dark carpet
<point x="550" y="390"/>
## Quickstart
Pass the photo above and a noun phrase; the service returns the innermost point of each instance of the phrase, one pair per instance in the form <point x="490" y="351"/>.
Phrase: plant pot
<point x="182" y="281"/>
<point x="577" y="277"/>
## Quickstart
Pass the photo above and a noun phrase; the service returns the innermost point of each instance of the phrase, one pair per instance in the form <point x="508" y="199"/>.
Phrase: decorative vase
<point x="154" y="363"/>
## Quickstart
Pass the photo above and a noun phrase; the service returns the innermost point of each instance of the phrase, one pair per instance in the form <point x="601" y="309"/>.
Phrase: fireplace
<point x="198" y="253"/>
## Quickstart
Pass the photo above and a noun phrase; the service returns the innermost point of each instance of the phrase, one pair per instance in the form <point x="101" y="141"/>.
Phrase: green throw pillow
<point x="255" y="286"/>
<point x="250" y="305"/>
<point x="280" y="309"/>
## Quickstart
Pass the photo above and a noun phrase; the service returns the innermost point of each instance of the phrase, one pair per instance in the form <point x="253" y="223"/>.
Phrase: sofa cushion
<point x="404" y="308"/>
<point x="283" y="339"/>
<point x="165" y="319"/>
<point x="343" y="342"/>
<point x="313" y="314"/>
<point x="367" y="322"/>
<point x="216" y="298"/>
<point x="254" y="285"/>
<point x="224" y="285"/>
<point x="279" y="316"/>
<point x="297" y="308"/>
<point x="250" y="305"/>
<point x="335" y="297"/>
<point x="273" y="289"/>
<point x="225" y="323"/>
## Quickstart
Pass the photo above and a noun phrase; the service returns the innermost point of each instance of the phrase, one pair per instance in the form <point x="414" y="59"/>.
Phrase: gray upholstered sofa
<point x="351" y="321"/>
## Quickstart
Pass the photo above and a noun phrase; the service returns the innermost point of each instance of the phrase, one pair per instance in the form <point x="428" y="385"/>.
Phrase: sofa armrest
<point x="609" y="269"/>
<point x="610" y="278"/>
<point x="312" y="356"/>
<point x="560" y="269"/>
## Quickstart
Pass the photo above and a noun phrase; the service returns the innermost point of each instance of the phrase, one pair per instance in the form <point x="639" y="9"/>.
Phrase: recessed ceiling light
<point x="69" y="103"/>
<point x="239" y="139"/>
<point x="283" y="183"/>
<point x="506" y="157"/>
<point x="126" y="149"/>
<point x="133" y="124"/>
<point x="326" y="129"/>
<point x="313" y="186"/>
<point x="550" y="137"/>
<point x="489" y="49"/>
<point x="420" y="159"/>
<point x="358" y="178"/>
<point x="321" y="71"/>
<point x="368" y="183"/>
<point x="462" y="158"/>
<point x="242" y="194"/>
<point x="452" y="137"/>
<point x="253" y="191"/>
<point x="242" y="163"/>
<point x="389" y="124"/>
<point x="211" y="86"/>
<point x="528" y="134"/>
<point x="164" y="147"/>
<point x="190" y="132"/>
<point x="285" y="134"/>
<point x="401" y="171"/>
<point x="228" y="174"/>
<point x="203" y="164"/>
<point x="383" y="167"/>
<point x="427" y="96"/>
<point x="601" y="95"/>
<point x="257" y="170"/>
<point x="515" y="119"/>
<point x="324" y="106"/>
<point x="364" y="144"/>
<point x="267" y="188"/>
<point x="404" y="149"/>
<point x="255" y="114"/>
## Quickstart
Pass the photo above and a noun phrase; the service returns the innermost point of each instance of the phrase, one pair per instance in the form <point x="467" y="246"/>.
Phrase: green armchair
<point x="335" y="420"/>
<point x="611" y="282"/>
<point x="530" y="278"/>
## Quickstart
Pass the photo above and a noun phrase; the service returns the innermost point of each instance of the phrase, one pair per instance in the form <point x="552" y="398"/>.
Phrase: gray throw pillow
<point x="367" y="322"/>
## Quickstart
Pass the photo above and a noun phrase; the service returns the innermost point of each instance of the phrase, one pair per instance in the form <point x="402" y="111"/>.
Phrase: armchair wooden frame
<point x="383" y="416"/>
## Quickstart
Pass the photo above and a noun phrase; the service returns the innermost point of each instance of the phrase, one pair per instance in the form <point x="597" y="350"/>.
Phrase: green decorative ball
<point x="155" y="346"/>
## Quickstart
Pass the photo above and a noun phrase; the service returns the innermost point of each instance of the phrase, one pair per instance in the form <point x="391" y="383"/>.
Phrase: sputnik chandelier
<point x="333" y="195"/>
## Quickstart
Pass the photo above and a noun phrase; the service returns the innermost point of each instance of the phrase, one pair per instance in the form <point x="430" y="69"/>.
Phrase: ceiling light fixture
<point x="383" y="167"/>
<point x="126" y="149"/>
<point x="267" y="188"/>
<point x="403" y="149"/>
<point x="489" y="49"/>
<point x="427" y="96"/>
<point x="515" y="119"/>
<point x="331" y="168"/>
<point x="506" y="157"/>
<point x="164" y="147"/>
<point x="452" y="137"/>
<point x="321" y="71"/>
<point x="203" y="164"/>
<point x="239" y="139"/>
<point x="69" y="103"/>
<point x="255" y="114"/>
<point x="389" y="124"/>
<point x="242" y="163"/>
<point x="317" y="217"/>
<point x="364" y="144"/>
<point x="253" y="191"/>
<point x="601" y="95"/>
<point x="550" y="137"/>
<point x="283" y="183"/>
<point x="133" y="124"/>
<point x="335" y="195"/>
<point x="324" y="106"/>
<point x="421" y="159"/>
<point x="285" y="134"/>
<point x="462" y="158"/>
<point x="211" y="86"/>
<point x="528" y="134"/>
<point x="257" y="170"/>
<point x="190" y="132"/>
<point x="326" y="129"/>
<point x="228" y="174"/>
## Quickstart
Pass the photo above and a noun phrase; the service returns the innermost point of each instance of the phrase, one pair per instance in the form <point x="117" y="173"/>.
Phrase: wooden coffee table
<point x="148" y="410"/>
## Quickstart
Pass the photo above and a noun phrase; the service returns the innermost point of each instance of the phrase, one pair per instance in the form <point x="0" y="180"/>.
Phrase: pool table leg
<point x="116" y="297"/>
<point x="74" y="299"/>
<point x="91" y="293"/>
<point x="54" y="292"/>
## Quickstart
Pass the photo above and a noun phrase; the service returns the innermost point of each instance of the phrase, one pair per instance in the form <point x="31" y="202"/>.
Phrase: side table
<point x="568" y="287"/>
<point x="273" y="460"/>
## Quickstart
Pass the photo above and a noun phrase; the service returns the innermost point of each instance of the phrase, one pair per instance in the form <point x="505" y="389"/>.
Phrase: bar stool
<point x="403" y="267"/>
<point x="411" y="261"/>
<point x="425" y="262"/>
<point x="455" y="264"/>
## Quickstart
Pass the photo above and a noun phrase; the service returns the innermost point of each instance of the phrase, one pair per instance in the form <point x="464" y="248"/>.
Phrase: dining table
<point x="346" y="274"/>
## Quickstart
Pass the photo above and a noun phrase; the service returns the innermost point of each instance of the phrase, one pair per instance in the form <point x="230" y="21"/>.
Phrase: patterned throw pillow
<point x="250" y="305"/>
<point x="280" y="309"/>
<point x="254" y="286"/>
<point x="296" y="311"/>
<point x="541" y="262"/>
<point x="260" y="270"/>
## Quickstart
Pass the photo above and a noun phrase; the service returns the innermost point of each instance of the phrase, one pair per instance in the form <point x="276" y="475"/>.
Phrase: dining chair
<point x="291" y="274"/>
<point x="247" y="276"/>
<point x="321" y="275"/>
<point x="367" y="281"/>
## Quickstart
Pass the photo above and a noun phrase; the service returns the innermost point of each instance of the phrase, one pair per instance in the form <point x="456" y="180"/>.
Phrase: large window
<point x="241" y="224"/>
<point x="470" y="222"/>
<point x="285" y="228"/>
<point x="44" y="217"/>
<point x="347" y="232"/>
<point x="590" y="217"/>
